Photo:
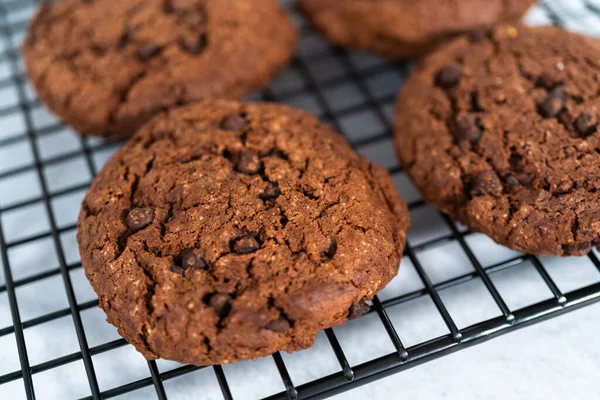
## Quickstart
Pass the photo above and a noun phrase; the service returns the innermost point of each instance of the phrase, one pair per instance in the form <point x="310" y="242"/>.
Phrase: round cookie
<point x="107" y="66"/>
<point x="501" y="132"/>
<point x="401" y="29"/>
<point x="226" y="231"/>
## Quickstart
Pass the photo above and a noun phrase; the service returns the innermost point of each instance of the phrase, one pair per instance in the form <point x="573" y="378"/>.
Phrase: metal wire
<point x="348" y="375"/>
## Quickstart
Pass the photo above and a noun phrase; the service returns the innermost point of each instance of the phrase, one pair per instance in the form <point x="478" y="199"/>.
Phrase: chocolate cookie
<point x="501" y="132"/>
<point x="224" y="231"/>
<point x="400" y="29"/>
<point x="107" y="66"/>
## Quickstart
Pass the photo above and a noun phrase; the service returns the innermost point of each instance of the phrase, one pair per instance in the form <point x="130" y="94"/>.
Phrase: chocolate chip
<point x="586" y="124"/>
<point x="233" y="122"/>
<point x="486" y="182"/>
<point x="467" y="128"/>
<point x="358" y="309"/>
<point x="271" y="192"/>
<point x="147" y="50"/>
<point x="221" y="303"/>
<point x="477" y="35"/>
<point x="191" y="259"/>
<point x="249" y="163"/>
<point x="246" y="244"/>
<point x="448" y="77"/>
<point x="577" y="249"/>
<point x="279" y="325"/>
<point x="139" y="218"/>
<point x="178" y="270"/>
<point x="331" y="249"/>
<point x="512" y="182"/>
<point x="554" y="103"/>
<point x="193" y="44"/>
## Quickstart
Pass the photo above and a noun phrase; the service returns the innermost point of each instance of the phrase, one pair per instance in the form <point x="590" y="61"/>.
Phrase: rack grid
<point x="456" y="288"/>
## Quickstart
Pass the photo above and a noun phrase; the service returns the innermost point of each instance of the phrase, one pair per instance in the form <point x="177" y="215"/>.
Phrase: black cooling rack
<point x="355" y="93"/>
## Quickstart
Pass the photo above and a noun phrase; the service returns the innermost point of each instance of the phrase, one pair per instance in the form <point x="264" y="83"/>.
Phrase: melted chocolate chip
<point x="221" y="303"/>
<point x="358" y="309"/>
<point x="193" y="44"/>
<point x="512" y="182"/>
<point x="139" y="218"/>
<point x="147" y="50"/>
<point x="271" y="192"/>
<point x="279" y="325"/>
<point x="448" y="77"/>
<point x="246" y="244"/>
<point x="191" y="259"/>
<point x="586" y="124"/>
<point x="233" y="123"/>
<point x="486" y="182"/>
<point x="467" y="128"/>
<point x="554" y="103"/>
<point x="331" y="249"/>
<point x="249" y="163"/>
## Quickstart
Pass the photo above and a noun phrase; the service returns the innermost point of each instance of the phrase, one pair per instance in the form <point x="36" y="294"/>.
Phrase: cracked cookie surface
<point x="107" y="66"/>
<point x="401" y="29"/>
<point x="226" y="231"/>
<point x="500" y="131"/>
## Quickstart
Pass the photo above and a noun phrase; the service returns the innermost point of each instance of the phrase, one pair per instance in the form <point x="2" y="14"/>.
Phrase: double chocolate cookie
<point x="500" y="130"/>
<point x="107" y="66"/>
<point x="400" y="29"/>
<point x="225" y="231"/>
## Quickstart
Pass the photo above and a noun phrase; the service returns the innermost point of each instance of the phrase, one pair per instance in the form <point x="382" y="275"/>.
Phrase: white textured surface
<point x="559" y="358"/>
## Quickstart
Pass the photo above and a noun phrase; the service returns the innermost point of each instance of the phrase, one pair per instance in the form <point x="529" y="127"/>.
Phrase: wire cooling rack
<point x="455" y="288"/>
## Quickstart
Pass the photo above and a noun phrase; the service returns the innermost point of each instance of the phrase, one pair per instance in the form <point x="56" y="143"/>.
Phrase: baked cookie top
<point x="107" y="66"/>
<point x="226" y="231"/>
<point x="400" y="29"/>
<point x="500" y="131"/>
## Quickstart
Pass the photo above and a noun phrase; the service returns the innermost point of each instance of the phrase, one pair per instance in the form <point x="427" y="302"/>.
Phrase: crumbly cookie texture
<point x="401" y="29"/>
<point x="226" y="231"/>
<point x="107" y="66"/>
<point x="500" y="131"/>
